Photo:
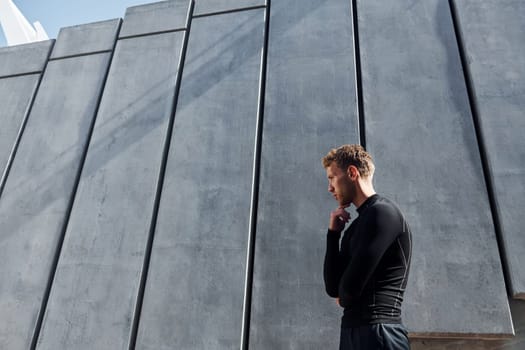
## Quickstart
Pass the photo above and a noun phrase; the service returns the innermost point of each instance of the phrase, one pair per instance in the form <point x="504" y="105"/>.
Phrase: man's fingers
<point x="343" y="215"/>
<point x="340" y="211"/>
<point x="344" y="218"/>
<point x="338" y="219"/>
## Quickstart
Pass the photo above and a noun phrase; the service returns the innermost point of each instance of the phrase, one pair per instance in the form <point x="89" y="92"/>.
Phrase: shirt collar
<point x="368" y="202"/>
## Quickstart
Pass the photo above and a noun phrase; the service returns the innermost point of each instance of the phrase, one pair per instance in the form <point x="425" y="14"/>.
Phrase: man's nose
<point x="330" y="188"/>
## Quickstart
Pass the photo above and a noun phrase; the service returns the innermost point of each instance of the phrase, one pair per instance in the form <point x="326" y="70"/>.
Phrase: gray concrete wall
<point x="40" y="186"/>
<point x="420" y="130"/>
<point x="310" y="106"/>
<point x="493" y="35"/>
<point x="20" y="75"/>
<point x="98" y="275"/>
<point x="198" y="263"/>
<point x="163" y="188"/>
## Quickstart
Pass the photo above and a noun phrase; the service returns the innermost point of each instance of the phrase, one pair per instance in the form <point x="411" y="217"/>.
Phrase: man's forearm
<point x="332" y="269"/>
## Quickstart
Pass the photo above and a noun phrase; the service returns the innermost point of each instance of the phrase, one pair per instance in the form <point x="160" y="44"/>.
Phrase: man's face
<point x="340" y="185"/>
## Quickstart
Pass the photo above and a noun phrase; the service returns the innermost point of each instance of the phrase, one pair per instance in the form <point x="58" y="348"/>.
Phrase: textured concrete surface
<point x="310" y="107"/>
<point x="95" y="289"/>
<point x="86" y="38"/>
<point x="515" y="343"/>
<point x="16" y="92"/>
<point x="195" y="290"/>
<point x="28" y="58"/>
<point x="156" y="17"/>
<point x="15" y="97"/>
<point x="39" y="189"/>
<point x="493" y="33"/>
<point x="419" y="128"/>
<point x="210" y="6"/>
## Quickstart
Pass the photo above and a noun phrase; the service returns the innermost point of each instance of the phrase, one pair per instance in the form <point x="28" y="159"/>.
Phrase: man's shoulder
<point x="385" y="209"/>
<point x="383" y="204"/>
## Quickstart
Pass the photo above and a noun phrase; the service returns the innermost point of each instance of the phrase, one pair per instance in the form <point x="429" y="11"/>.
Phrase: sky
<point x="55" y="14"/>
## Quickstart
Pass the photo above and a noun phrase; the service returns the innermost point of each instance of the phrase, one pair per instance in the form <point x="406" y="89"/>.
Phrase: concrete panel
<point x="28" y="58"/>
<point x="515" y="343"/>
<point x="39" y="189"/>
<point x="208" y="6"/>
<point x="156" y="17"/>
<point x="197" y="271"/>
<point x="15" y="96"/>
<point x="493" y="33"/>
<point x="310" y="107"/>
<point x="419" y="128"/>
<point x="95" y="288"/>
<point x="86" y="38"/>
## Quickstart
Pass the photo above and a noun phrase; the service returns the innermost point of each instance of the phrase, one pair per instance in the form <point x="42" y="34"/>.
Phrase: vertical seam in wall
<point x="358" y="78"/>
<point x="160" y="184"/>
<point x="28" y="110"/>
<point x="250" y="254"/>
<point x="58" y="251"/>
<point x="487" y="173"/>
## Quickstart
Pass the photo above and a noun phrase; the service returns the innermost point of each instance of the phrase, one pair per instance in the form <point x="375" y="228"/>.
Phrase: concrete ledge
<point x="517" y="342"/>
<point x="210" y="6"/>
<point x="157" y="17"/>
<point x="25" y="58"/>
<point x="86" y="38"/>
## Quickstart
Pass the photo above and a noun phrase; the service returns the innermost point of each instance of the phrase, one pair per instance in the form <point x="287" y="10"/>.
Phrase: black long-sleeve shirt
<point x="369" y="272"/>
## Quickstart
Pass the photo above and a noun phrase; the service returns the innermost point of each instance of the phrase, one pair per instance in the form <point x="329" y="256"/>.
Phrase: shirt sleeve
<point x="332" y="264"/>
<point x="380" y="230"/>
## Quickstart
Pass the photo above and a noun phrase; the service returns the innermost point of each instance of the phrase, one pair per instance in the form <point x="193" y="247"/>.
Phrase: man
<point x="367" y="273"/>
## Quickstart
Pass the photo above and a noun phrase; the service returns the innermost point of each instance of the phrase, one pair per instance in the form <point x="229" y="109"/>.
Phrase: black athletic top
<point x="369" y="272"/>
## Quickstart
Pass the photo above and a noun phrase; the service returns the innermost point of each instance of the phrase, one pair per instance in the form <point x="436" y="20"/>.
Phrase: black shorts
<point x="379" y="336"/>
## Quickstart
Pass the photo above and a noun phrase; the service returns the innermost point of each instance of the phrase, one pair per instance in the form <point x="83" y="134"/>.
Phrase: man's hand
<point x="338" y="219"/>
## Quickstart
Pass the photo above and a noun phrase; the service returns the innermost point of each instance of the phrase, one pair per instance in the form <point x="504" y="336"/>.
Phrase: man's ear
<point x="352" y="172"/>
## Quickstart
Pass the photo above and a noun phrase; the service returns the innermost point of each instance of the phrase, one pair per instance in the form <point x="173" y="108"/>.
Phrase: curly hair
<point x="347" y="155"/>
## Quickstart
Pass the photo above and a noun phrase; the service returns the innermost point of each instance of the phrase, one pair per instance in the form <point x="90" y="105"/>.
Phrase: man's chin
<point x="344" y="204"/>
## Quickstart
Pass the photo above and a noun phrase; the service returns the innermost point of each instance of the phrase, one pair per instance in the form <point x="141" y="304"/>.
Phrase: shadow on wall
<point x="457" y="86"/>
<point x="41" y="184"/>
<point x="119" y="133"/>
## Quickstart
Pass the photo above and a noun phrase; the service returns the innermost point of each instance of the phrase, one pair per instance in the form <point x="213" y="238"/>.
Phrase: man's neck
<point x="364" y="191"/>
